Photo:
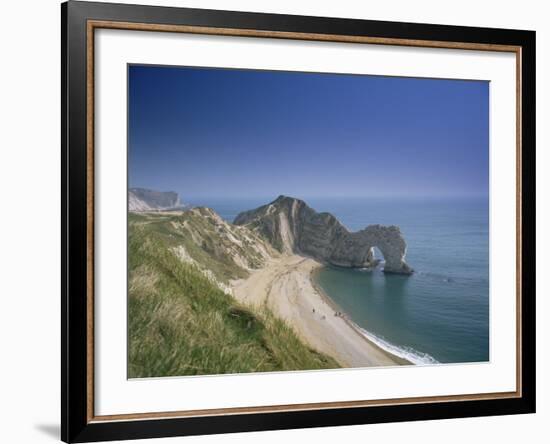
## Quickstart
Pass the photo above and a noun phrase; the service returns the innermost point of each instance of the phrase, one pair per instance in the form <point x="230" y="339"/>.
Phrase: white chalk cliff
<point x="143" y="200"/>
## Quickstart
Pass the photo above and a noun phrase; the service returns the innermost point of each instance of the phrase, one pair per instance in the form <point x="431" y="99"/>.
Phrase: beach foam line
<point x="408" y="353"/>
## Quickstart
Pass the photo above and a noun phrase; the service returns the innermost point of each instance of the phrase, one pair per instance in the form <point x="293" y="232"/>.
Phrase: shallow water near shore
<point x="441" y="312"/>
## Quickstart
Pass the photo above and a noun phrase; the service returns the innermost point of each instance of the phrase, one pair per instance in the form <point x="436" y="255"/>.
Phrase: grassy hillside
<point x="181" y="323"/>
<point x="204" y="238"/>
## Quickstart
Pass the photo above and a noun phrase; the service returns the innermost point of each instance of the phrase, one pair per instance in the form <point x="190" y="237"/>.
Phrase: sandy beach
<point x="285" y="286"/>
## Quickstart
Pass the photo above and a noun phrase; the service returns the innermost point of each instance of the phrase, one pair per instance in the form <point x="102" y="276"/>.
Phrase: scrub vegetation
<point x="181" y="322"/>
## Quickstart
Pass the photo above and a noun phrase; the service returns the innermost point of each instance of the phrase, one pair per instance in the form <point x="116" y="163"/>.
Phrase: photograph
<point x="305" y="221"/>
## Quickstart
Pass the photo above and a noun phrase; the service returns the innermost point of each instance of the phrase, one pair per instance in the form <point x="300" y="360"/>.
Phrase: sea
<point x="439" y="314"/>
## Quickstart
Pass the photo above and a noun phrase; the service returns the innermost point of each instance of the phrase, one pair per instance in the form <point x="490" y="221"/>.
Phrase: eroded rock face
<point x="292" y="226"/>
<point x="142" y="200"/>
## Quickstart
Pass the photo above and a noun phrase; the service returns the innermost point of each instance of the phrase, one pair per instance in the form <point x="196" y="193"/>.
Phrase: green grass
<point x="204" y="239"/>
<point x="180" y="323"/>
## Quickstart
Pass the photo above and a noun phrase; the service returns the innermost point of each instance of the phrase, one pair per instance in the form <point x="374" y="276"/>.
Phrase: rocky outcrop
<point x="143" y="200"/>
<point x="291" y="226"/>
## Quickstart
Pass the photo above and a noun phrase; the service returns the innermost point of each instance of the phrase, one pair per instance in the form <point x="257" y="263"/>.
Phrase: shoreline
<point x="286" y="285"/>
<point x="344" y="316"/>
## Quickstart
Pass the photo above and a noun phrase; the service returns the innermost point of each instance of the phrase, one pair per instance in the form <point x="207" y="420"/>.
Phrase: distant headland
<point x="144" y="200"/>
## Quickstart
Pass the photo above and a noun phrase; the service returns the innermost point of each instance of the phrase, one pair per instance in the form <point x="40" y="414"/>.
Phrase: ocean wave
<point x="408" y="353"/>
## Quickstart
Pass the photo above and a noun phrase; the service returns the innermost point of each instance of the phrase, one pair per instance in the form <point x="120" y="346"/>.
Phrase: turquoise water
<point x="441" y="312"/>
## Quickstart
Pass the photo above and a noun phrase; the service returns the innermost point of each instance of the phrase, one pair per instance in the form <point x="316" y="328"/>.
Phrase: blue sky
<point x="244" y="133"/>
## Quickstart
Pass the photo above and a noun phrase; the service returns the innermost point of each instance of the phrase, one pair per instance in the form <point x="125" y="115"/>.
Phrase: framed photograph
<point x="275" y="221"/>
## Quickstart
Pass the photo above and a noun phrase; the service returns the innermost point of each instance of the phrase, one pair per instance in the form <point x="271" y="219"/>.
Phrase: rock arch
<point x="291" y="225"/>
<point x="355" y="249"/>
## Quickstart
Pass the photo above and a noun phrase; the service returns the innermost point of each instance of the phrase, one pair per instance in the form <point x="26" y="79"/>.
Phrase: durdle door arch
<point x="350" y="252"/>
<point x="291" y="223"/>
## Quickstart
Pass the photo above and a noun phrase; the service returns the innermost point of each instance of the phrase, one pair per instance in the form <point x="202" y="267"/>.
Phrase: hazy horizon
<point x="210" y="133"/>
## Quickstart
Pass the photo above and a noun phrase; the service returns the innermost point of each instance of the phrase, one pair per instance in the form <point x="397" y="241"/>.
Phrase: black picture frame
<point x="76" y="423"/>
